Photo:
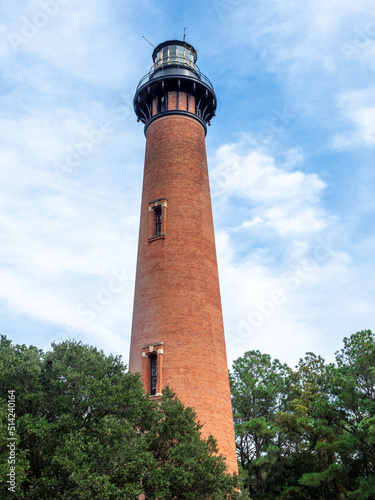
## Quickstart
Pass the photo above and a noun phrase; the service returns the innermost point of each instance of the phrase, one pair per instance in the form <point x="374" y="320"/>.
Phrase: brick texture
<point x="177" y="296"/>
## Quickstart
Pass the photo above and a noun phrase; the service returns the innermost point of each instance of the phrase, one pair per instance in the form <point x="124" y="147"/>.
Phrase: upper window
<point x="157" y="217"/>
<point x="163" y="104"/>
<point x="154" y="374"/>
<point x="158" y="220"/>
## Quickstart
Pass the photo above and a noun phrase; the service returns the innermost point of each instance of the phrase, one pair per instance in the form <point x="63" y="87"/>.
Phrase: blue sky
<point x="291" y="158"/>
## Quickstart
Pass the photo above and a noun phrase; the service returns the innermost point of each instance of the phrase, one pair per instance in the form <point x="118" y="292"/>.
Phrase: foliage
<point x="259" y="391"/>
<point x="354" y="389"/>
<point x="308" y="433"/>
<point x="85" y="429"/>
<point x="187" y="466"/>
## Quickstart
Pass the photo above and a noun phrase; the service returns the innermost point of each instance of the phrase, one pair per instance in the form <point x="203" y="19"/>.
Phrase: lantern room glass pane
<point x="174" y="54"/>
<point x="158" y="59"/>
<point x="180" y="54"/>
<point x="165" y="55"/>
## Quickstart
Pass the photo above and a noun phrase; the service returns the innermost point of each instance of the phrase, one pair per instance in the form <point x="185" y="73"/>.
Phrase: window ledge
<point x="158" y="237"/>
<point x="155" y="396"/>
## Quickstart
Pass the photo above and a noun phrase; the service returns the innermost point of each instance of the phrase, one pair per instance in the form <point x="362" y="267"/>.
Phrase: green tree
<point x="187" y="467"/>
<point x="86" y="430"/>
<point x="20" y="368"/>
<point x="259" y="388"/>
<point x="308" y="433"/>
<point x="314" y="431"/>
<point x="354" y="389"/>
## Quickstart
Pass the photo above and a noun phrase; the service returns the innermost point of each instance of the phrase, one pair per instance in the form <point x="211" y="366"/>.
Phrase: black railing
<point x="174" y="68"/>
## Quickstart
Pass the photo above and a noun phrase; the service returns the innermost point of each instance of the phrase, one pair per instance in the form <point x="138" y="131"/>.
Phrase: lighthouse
<point x="177" y="331"/>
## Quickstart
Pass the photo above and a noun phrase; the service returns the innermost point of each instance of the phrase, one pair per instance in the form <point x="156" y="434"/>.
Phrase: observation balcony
<point x="172" y="68"/>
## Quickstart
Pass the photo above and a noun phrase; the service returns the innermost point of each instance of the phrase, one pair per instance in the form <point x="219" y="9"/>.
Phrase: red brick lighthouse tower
<point x="177" y="333"/>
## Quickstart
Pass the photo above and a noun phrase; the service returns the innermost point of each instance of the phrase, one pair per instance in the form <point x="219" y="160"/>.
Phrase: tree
<point x="85" y="429"/>
<point x="354" y="389"/>
<point x="259" y="388"/>
<point x="314" y="431"/>
<point x="308" y="433"/>
<point x="187" y="467"/>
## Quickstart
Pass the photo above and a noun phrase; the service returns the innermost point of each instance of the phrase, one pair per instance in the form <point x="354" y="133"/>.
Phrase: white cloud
<point x="281" y="291"/>
<point x="270" y="306"/>
<point x="364" y="119"/>
<point x="358" y="111"/>
<point x="288" y="202"/>
<point x="303" y="296"/>
<point x="64" y="237"/>
<point x="299" y="38"/>
<point x="74" y="42"/>
<point x="293" y="158"/>
<point x="61" y="239"/>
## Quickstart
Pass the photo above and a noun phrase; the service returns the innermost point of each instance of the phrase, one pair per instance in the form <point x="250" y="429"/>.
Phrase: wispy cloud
<point x="286" y="201"/>
<point x="281" y="254"/>
<point x="289" y="154"/>
<point x="66" y="224"/>
<point x="361" y="119"/>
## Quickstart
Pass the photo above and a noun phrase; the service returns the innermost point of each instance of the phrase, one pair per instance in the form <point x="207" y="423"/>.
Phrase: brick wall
<point x="177" y="296"/>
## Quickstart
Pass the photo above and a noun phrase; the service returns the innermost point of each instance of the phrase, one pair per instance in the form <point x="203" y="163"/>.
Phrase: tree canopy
<point x="85" y="429"/>
<point x="308" y="433"/>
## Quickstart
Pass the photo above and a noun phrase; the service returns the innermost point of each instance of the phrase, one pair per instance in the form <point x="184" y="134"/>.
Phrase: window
<point x="165" y="55"/>
<point x="158" y="221"/>
<point x="157" y="217"/>
<point x="158" y="59"/>
<point x="163" y="105"/>
<point x="152" y="368"/>
<point x="154" y="374"/>
<point x="172" y="53"/>
<point x="180" y="54"/>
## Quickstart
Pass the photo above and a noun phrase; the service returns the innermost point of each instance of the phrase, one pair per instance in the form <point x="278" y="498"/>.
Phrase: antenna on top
<point x="148" y="41"/>
<point x="185" y="34"/>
